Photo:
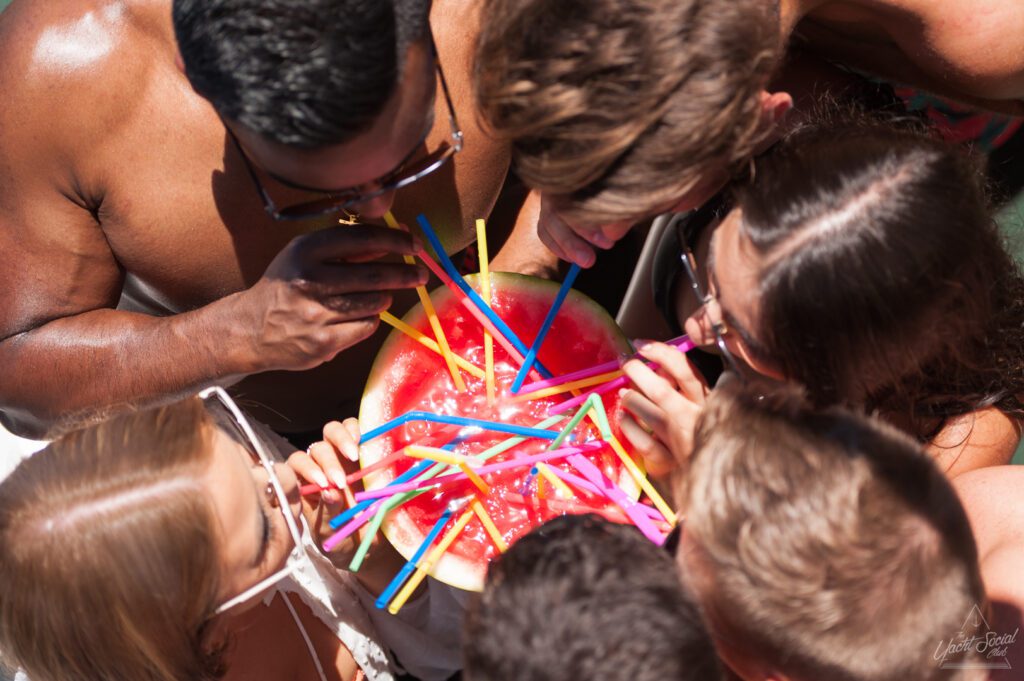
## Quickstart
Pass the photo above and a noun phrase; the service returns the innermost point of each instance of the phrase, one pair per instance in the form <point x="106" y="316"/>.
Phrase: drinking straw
<point x="608" y="387"/>
<point x="458" y="421"/>
<point x="556" y="482"/>
<point x="545" y="327"/>
<point x="569" y="427"/>
<point x="435" y="323"/>
<point x="471" y="308"/>
<point x="357" y="515"/>
<point x="452" y="459"/>
<point x="643" y="523"/>
<point x="453" y="273"/>
<point x="585" y="485"/>
<point x="641" y="479"/>
<point x="429" y="343"/>
<point x="407" y="569"/>
<point x="426" y="565"/>
<point x="541" y="489"/>
<point x="485" y="285"/>
<point x="681" y="342"/>
<point x="566" y="387"/>
<point x="488" y="523"/>
<point x="483" y="470"/>
<point x="600" y="416"/>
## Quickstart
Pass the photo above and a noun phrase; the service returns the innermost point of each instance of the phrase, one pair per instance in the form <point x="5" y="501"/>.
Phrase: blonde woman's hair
<point x="108" y="553"/>
<point x="825" y="544"/>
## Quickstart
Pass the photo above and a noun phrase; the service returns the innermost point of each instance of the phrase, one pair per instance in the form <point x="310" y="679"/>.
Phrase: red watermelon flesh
<point x="407" y="376"/>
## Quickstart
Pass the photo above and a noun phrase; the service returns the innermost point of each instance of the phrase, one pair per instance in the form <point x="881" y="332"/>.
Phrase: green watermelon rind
<point x="403" y="534"/>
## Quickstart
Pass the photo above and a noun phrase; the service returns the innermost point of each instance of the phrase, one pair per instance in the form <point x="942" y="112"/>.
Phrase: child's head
<point x="822" y="544"/>
<point x="119" y="542"/>
<point x="620" y="109"/>
<point x="584" y="598"/>
<point x="858" y="256"/>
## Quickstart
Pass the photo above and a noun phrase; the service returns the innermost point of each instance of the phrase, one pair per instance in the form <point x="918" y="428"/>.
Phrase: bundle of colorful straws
<point x="372" y="506"/>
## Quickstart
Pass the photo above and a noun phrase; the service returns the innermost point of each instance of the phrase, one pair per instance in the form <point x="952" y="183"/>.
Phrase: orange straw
<point x="435" y="323"/>
<point x="429" y="343"/>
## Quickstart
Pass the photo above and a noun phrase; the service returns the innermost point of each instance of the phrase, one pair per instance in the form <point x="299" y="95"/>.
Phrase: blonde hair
<point x="108" y="553"/>
<point x="827" y="544"/>
<point x="619" y="107"/>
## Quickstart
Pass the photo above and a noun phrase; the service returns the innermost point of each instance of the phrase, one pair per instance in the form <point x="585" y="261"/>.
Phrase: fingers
<point x="655" y="387"/>
<point x="306" y="468"/>
<point x="657" y="458"/>
<point x="676" y="365"/>
<point x="355" y="242"/>
<point x="556" y="234"/>
<point x="344" y="437"/>
<point x="329" y="279"/>
<point x="354" y="306"/>
<point x="644" y="409"/>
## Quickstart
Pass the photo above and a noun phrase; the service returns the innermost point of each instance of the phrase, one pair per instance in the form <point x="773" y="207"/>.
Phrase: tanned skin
<point x="139" y="262"/>
<point x="968" y="51"/>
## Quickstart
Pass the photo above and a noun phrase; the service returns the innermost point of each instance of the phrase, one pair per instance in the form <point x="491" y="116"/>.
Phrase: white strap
<point x="305" y="636"/>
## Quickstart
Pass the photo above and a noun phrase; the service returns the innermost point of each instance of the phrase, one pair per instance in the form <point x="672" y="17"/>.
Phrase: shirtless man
<point x="140" y="263"/>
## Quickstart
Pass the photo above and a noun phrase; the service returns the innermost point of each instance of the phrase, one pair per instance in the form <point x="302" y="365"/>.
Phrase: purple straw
<point x="612" y="491"/>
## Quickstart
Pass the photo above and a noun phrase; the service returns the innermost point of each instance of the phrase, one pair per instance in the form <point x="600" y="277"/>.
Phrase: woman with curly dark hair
<point x="862" y="262"/>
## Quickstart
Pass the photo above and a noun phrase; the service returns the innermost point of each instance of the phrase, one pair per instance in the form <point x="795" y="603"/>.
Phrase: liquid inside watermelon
<point x="407" y="376"/>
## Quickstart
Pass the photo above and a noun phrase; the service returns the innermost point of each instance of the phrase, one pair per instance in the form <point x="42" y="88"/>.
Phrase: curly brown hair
<point x="617" y="108"/>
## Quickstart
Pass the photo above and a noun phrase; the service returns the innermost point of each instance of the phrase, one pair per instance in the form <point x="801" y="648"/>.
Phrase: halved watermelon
<point x="407" y="376"/>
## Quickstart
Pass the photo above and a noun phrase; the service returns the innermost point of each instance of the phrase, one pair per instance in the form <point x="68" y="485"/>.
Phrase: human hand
<point x="322" y="294"/>
<point x="573" y="241"/>
<point x="663" y="407"/>
<point x="326" y="464"/>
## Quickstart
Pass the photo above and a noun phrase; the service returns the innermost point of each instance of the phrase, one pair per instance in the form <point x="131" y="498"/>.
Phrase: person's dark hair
<point x="307" y="74"/>
<point x="616" y="108"/>
<point x="884" y="281"/>
<point x="822" y="543"/>
<point x="583" y="598"/>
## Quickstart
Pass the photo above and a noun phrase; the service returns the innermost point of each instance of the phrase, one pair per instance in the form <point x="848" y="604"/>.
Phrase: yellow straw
<point x="568" y="387"/>
<point x="488" y="523"/>
<point x="435" y="454"/>
<point x="429" y="343"/>
<point x="435" y="323"/>
<point x="485" y="285"/>
<point x="642" y="480"/>
<point x="556" y="482"/>
<point x="428" y="563"/>
<point x="541" y="488"/>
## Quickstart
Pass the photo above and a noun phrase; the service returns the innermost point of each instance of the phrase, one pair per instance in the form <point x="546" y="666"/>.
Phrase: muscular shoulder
<point x="69" y="70"/>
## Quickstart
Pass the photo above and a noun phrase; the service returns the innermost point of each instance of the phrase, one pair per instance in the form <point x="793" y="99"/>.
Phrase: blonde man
<point x="823" y="545"/>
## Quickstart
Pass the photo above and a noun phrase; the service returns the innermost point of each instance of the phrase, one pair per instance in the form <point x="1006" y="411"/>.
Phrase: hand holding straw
<point x="435" y="323"/>
<point x="531" y="356"/>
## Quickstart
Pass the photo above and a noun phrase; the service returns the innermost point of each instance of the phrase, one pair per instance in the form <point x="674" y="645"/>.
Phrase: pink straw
<point x="642" y="521"/>
<point x="468" y="304"/>
<point x="483" y="470"/>
<point x="577" y="481"/>
<point x="682" y="344"/>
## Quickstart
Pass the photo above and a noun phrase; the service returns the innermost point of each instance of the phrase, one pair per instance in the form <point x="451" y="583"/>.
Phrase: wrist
<point x="223" y="338"/>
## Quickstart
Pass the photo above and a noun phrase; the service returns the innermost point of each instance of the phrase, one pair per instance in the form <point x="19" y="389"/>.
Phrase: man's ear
<point x="761" y="366"/>
<point x="774" y="107"/>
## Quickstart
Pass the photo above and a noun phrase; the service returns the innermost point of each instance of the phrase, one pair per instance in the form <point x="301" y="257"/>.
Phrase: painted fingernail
<point x="331" y="496"/>
<point x="320" y="479"/>
<point x="338" y="477"/>
<point x="641" y="343"/>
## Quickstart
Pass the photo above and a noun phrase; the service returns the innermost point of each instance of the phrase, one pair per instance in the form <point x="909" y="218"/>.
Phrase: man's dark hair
<point x="307" y="74"/>
<point x="584" y="598"/>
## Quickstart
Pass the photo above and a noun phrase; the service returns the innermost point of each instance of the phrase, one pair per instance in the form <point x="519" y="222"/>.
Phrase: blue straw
<point x="457" y="421"/>
<point x="449" y="267"/>
<point x="339" y="520"/>
<point x="531" y="356"/>
<point x="403" y="574"/>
